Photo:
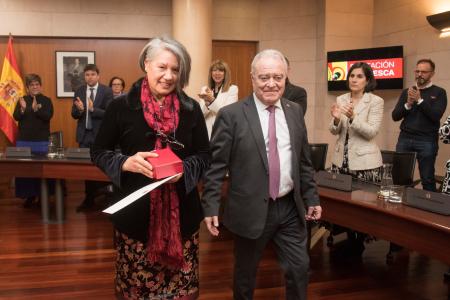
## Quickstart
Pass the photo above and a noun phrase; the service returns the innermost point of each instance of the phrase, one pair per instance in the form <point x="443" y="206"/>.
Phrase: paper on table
<point x="136" y="195"/>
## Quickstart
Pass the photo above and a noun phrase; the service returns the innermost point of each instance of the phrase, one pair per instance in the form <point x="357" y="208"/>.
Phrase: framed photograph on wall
<point x="69" y="71"/>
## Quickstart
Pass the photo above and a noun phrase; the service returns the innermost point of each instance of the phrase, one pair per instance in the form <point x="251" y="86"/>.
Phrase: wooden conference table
<point x="425" y="232"/>
<point x="56" y="168"/>
<point x="415" y="229"/>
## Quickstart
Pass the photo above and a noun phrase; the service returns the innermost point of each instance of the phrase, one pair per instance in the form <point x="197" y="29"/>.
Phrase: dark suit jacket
<point x="125" y="125"/>
<point x="237" y="145"/>
<point x="296" y="94"/>
<point x="102" y="99"/>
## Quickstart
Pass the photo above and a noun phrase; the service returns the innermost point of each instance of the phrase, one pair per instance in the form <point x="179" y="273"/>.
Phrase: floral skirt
<point x="137" y="278"/>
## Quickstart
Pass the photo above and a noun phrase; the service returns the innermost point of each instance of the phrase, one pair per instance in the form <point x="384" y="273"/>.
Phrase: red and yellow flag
<point x="11" y="89"/>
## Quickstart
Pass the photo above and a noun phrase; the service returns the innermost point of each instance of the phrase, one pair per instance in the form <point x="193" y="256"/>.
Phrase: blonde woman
<point x="218" y="93"/>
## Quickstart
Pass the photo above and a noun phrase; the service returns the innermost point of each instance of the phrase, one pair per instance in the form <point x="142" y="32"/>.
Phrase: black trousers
<point x="288" y="234"/>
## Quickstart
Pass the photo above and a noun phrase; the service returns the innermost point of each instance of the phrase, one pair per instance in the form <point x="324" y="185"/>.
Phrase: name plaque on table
<point x="426" y="200"/>
<point x="18" y="152"/>
<point x="83" y="153"/>
<point x="335" y="181"/>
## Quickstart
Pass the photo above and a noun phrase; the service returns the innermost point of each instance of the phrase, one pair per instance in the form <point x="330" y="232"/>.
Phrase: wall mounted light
<point x="441" y="22"/>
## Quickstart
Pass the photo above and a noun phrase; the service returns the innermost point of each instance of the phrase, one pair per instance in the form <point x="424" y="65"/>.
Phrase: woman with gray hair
<point x="33" y="112"/>
<point x="156" y="236"/>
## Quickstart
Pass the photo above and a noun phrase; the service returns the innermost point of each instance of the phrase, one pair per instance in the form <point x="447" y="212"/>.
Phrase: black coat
<point x="34" y="125"/>
<point x="296" y="94"/>
<point x="124" y="125"/>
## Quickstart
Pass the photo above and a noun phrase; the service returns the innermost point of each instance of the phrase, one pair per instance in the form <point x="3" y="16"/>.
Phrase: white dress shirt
<point x="88" y="91"/>
<point x="283" y="143"/>
<point x="88" y="94"/>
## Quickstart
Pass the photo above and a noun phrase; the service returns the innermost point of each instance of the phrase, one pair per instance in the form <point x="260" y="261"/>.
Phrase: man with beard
<point x="421" y="108"/>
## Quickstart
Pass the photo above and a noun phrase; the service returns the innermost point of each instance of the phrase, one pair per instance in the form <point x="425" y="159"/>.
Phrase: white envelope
<point x="136" y="195"/>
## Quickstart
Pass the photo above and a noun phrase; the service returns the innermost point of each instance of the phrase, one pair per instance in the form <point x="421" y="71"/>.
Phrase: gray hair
<point x="29" y="78"/>
<point x="272" y="53"/>
<point x="164" y="43"/>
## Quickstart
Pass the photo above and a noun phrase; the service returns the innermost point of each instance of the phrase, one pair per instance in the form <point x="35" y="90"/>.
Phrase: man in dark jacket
<point x="89" y="105"/>
<point x="295" y="93"/>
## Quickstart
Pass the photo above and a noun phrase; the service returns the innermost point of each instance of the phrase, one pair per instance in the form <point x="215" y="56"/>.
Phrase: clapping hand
<point x="91" y="105"/>
<point x="336" y="113"/>
<point x="207" y="95"/>
<point x="34" y="105"/>
<point x="79" y="104"/>
<point x="347" y="110"/>
<point x="23" y="104"/>
<point x="413" y="96"/>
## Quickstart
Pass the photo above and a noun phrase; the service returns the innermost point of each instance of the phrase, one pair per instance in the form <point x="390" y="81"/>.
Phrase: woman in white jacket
<point x="356" y="119"/>
<point x="218" y="93"/>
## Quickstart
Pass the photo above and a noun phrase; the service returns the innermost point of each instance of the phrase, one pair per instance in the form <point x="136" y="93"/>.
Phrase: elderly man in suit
<point x="89" y="105"/>
<point x="262" y="143"/>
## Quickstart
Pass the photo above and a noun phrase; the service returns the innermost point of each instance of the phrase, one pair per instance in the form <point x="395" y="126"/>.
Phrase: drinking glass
<point x="396" y="193"/>
<point x="386" y="181"/>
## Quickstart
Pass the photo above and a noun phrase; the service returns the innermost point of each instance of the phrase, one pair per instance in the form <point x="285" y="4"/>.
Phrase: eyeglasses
<point x="173" y="143"/>
<point x="423" y="72"/>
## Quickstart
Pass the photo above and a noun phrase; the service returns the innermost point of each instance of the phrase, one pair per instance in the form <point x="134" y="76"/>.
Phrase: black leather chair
<point x="387" y="156"/>
<point x="318" y="155"/>
<point x="318" y="159"/>
<point x="403" y="166"/>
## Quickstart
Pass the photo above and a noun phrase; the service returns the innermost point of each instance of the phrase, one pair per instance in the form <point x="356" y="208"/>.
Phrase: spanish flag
<point x="11" y="89"/>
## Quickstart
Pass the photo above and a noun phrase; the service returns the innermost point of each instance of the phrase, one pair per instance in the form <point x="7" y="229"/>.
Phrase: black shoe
<point x="447" y="276"/>
<point x="28" y="202"/>
<point x="85" y="205"/>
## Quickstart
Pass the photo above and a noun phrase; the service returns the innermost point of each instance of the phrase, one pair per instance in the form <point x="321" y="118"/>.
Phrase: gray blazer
<point x="363" y="152"/>
<point x="238" y="147"/>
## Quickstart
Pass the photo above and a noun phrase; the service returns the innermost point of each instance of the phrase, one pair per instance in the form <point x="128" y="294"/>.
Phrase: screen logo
<point x="385" y="68"/>
<point x="337" y="71"/>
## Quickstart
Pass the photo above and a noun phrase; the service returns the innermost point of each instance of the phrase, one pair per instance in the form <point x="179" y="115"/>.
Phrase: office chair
<point x="387" y="156"/>
<point x="318" y="159"/>
<point x="318" y="155"/>
<point x="403" y="166"/>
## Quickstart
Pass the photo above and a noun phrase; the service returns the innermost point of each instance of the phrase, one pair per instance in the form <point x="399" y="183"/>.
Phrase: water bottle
<point x="386" y="181"/>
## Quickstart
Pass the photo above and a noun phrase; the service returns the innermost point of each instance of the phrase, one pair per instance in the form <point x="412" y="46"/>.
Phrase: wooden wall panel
<point x="113" y="57"/>
<point x="239" y="56"/>
<point x="37" y="55"/>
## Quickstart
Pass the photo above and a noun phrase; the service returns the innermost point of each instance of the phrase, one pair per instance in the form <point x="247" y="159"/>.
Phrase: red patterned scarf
<point x="164" y="237"/>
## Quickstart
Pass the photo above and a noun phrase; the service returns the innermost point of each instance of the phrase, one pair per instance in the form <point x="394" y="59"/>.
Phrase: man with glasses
<point x="421" y="108"/>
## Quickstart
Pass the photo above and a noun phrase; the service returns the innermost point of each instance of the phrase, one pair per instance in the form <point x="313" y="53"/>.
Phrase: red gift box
<point x="166" y="164"/>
